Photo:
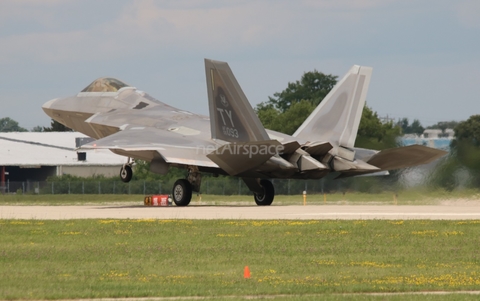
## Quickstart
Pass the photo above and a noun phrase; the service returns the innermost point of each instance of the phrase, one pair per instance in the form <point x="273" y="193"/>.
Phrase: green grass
<point x="68" y="199"/>
<point x="142" y="258"/>
<point x="407" y="197"/>
<point x="356" y="297"/>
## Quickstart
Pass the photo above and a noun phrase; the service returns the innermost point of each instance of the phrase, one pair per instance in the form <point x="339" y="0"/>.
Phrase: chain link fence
<point x="215" y="186"/>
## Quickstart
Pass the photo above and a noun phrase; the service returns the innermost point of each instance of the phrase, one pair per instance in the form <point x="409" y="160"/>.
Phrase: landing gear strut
<point x="183" y="188"/>
<point x="126" y="172"/>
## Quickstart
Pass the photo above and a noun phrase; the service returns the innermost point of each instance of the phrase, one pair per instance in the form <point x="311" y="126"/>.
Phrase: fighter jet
<point x="232" y="140"/>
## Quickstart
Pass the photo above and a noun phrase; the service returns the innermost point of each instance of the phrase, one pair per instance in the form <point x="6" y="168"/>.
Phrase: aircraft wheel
<point x="182" y="192"/>
<point x="126" y="173"/>
<point x="268" y="194"/>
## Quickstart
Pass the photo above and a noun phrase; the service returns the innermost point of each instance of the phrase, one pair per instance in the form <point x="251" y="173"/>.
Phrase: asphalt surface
<point x="345" y="212"/>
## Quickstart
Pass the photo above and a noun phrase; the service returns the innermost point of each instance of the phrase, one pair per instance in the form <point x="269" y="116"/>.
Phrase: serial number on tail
<point x="230" y="132"/>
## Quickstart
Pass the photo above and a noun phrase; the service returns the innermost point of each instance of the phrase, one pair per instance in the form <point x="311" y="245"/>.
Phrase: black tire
<point x="126" y="173"/>
<point x="182" y="192"/>
<point x="268" y="194"/>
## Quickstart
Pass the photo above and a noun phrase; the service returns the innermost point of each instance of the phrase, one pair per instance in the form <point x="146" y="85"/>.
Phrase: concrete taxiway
<point x="346" y="212"/>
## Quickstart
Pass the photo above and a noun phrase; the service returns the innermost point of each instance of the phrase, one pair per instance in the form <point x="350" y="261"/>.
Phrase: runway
<point x="343" y="212"/>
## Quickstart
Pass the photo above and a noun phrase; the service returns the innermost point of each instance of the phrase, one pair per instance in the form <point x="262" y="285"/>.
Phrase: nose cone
<point x="49" y="103"/>
<point x="48" y="107"/>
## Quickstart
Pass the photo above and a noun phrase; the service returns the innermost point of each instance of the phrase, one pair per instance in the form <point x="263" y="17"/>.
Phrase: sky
<point x="425" y="54"/>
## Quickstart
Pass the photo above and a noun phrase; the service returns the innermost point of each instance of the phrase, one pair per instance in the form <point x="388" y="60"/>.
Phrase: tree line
<point x="9" y="125"/>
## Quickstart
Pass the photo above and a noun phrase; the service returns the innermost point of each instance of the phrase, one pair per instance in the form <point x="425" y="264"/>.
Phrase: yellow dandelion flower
<point x="425" y="233"/>
<point x="20" y="223"/>
<point x="228" y="235"/>
<point x="396" y="222"/>
<point x="452" y="233"/>
<point x="108" y="221"/>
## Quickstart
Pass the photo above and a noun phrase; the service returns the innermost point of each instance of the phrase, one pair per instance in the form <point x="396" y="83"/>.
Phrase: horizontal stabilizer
<point x="362" y="174"/>
<point x="235" y="158"/>
<point x="407" y="156"/>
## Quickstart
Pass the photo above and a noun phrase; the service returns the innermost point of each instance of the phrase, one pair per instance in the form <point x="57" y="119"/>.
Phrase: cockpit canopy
<point x="105" y="84"/>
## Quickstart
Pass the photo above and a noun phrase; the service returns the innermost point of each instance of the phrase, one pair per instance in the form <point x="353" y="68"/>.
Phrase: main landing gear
<point x="265" y="198"/>
<point x="126" y="172"/>
<point x="263" y="190"/>
<point x="182" y="192"/>
<point x="183" y="188"/>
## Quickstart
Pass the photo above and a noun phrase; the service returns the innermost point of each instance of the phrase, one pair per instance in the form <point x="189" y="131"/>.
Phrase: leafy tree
<point x="9" y="125"/>
<point x="467" y="142"/>
<point x="464" y="156"/>
<point x="372" y="133"/>
<point x="407" y="128"/>
<point x="57" y="127"/>
<point x="417" y="127"/>
<point x="443" y="125"/>
<point x="287" y="110"/>
<point x="287" y="122"/>
<point x="468" y="131"/>
<point x="37" y="129"/>
<point x="403" y="124"/>
<point x="313" y="87"/>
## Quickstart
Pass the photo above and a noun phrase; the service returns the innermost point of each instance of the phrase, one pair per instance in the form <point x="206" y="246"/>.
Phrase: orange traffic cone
<point x="246" y="273"/>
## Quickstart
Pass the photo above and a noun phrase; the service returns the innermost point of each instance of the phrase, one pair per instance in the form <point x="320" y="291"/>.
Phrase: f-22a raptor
<point x="232" y="141"/>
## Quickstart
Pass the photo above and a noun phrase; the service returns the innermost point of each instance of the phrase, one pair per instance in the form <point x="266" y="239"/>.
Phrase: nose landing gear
<point x="126" y="172"/>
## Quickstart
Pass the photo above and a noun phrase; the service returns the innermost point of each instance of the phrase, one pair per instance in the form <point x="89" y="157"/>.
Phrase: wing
<point x="149" y="144"/>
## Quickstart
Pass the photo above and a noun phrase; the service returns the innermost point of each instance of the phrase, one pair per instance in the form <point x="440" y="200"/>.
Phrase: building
<point x="33" y="156"/>
<point x="432" y="133"/>
<point x="435" y="138"/>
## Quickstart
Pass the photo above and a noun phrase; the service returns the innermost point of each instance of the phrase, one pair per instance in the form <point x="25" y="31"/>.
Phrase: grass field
<point x="407" y="197"/>
<point x="147" y="258"/>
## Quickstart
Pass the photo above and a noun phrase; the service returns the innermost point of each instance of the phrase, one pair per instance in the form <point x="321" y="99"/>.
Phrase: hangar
<point x="33" y="157"/>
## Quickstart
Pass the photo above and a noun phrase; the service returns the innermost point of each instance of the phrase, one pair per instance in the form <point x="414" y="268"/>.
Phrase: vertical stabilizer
<point x="337" y="117"/>
<point x="232" y="118"/>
